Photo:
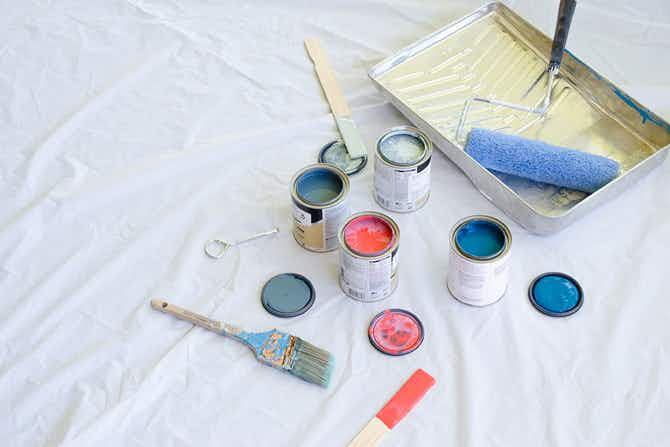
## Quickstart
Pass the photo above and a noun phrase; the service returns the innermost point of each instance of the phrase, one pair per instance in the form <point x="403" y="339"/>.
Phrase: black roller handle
<point x="565" y="12"/>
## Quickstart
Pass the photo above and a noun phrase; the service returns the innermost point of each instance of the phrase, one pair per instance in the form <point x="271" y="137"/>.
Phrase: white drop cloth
<point x="132" y="131"/>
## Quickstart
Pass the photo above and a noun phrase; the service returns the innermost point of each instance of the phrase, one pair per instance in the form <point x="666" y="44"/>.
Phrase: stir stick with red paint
<point x="395" y="409"/>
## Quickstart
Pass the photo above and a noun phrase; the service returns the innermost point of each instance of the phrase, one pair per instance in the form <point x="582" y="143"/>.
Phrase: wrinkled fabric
<point x="133" y="131"/>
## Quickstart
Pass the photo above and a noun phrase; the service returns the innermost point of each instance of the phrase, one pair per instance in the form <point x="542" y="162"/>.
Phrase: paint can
<point x="479" y="260"/>
<point x="402" y="169"/>
<point x="369" y="244"/>
<point x="320" y="205"/>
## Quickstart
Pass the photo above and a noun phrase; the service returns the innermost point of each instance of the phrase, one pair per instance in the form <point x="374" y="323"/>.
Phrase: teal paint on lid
<point x="480" y="239"/>
<point x="287" y="295"/>
<point x="556" y="294"/>
<point x="402" y="148"/>
<point x="319" y="186"/>
<point x="335" y="154"/>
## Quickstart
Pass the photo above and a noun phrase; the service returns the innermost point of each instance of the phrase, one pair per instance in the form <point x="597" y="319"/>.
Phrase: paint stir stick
<point x="338" y="105"/>
<point x="395" y="409"/>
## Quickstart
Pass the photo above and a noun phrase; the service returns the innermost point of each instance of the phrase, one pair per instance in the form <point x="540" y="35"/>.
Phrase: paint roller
<point x="539" y="161"/>
<point x="533" y="159"/>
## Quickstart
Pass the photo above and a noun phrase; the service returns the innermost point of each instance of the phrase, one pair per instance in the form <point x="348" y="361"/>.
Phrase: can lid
<point x="556" y="294"/>
<point x="395" y="332"/>
<point x="288" y="295"/>
<point x="335" y="153"/>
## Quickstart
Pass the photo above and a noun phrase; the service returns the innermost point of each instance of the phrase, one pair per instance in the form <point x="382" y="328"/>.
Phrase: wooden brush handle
<point x="197" y="319"/>
<point x="326" y="76"/>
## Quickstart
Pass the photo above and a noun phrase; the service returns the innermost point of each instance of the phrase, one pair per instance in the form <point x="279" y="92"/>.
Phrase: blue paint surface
<point x="319" y="186"/>
<point x="480" y="239"/>
<point x="556" y="293"/>
<point x="287" y="294"/>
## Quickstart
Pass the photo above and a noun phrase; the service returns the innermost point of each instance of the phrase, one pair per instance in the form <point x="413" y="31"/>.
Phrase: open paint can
<point x="369" y="256"/>
<point x="320" y="205"/>
<point x="479" y="260"/>
<point x="402" y="169"/>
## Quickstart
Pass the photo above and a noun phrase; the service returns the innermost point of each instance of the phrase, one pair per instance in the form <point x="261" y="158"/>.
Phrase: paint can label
<point x="366" y="279"/>
<point x="317" y="228"/>
<point x="401" y="189"/>
<point x="477" y="283"/>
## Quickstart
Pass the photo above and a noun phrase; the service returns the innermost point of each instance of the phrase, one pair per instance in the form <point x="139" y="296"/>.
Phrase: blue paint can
<point x="319" y="193"/>
<point x="479" y="260"/>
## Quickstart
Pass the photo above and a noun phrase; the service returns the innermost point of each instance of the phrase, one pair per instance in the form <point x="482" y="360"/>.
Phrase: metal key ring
<point x="220" y="250"/>
<point x="224" y="246"/>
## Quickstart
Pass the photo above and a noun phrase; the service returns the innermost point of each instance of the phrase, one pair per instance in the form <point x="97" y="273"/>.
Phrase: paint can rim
<point x="481" y="259"/>
<point x="404" y="130"/>
<point x="337" y="171"/>
<point x="322" y="155"/>
<point x="380" y="348"/>
<point x="307" y="306"/>
<point x="390" y="248"/>
<point x="548" y="312"/>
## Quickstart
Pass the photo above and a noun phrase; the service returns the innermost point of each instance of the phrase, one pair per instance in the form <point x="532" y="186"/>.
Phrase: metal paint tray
<point x="495" y="53"/>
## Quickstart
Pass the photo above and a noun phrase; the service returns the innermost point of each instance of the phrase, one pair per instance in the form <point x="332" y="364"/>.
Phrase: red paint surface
<point x="368" y="235"/>
<point x="395" y="332"/>
<point x="406" y="398"/>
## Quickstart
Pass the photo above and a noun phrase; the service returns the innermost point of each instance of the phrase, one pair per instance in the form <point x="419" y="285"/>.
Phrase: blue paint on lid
<point x="319" y="186"/>
<point x="556" y="294"/>
<point x="288" y="295"/>
<point x="480" y="238"/>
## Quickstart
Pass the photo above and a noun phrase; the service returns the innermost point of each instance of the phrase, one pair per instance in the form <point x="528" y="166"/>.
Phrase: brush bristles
<point x="312" y="364"/>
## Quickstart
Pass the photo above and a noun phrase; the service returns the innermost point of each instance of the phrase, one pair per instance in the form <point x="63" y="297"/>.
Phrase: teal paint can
<point x="479" y="257"/>
<point x="319" y="193"/>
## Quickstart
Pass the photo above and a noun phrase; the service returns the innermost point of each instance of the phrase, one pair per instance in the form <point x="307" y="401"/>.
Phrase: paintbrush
<point x="280" y="350"/>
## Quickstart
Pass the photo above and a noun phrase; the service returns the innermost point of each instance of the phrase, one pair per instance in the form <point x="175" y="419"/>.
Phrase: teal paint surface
<point x="287" y="294"/>
<point x="269" y="346"/>
<point x="336" y="154"/>
<point x="556" y="293"/>
<point x="402" y="149"/>
<point x="588" y="67"/>
<point x="645" y="114"/>
<point x="319" y="186"/>
<point x="480" y="239"/>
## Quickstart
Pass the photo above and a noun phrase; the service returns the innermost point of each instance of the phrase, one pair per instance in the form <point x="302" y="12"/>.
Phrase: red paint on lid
<point x="406" y="398"/>
<point x="395" y="332"/>
<point x="368" y="235"/>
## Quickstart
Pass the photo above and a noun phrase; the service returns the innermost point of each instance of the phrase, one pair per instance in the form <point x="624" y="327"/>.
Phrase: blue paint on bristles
<point x="290" y="354"/>
<point x="277" y="349"/>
